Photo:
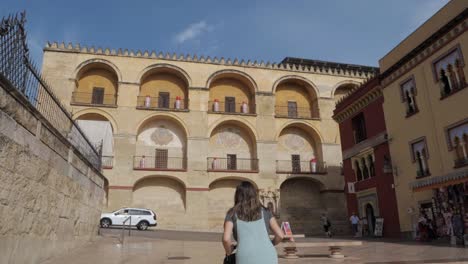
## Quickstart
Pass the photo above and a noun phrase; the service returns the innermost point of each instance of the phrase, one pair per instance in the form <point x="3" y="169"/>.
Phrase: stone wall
<point x="50" y="197"/>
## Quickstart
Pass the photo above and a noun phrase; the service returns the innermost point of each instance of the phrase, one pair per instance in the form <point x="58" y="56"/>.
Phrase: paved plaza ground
<point x="161" y="246"/>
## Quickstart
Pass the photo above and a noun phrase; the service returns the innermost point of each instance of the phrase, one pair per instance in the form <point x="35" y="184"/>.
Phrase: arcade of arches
<point x="168" y="148"/>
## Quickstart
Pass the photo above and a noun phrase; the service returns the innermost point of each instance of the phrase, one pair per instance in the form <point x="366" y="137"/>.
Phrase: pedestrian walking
<point x="354" y="219"/>
<point x="249" y="222"/>
<point x="326" y="225"/>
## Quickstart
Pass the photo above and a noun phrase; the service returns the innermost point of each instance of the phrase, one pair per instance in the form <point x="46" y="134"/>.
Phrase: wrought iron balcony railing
<point x="80" y="98"/>
<point x="156" y="163"/>
<point x="301" y="167"/>
<point x="296" y="112"/>
<point x="232" y="164"/>
<point x="227" y="107"/>
<point x="146" y="102"/>
<point x="107" y="162"/>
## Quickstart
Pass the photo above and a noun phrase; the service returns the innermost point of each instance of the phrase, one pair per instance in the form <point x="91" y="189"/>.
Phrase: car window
<point x="134" y="212"/>
<point x="145" y="212"/>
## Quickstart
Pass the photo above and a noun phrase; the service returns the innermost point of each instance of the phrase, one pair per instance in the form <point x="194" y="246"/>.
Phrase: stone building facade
<point x="185" y="130"/>
<point x="425" y="90"/>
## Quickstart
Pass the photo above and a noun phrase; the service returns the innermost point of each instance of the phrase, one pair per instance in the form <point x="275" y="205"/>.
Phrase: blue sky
<point x="357" y="31"/>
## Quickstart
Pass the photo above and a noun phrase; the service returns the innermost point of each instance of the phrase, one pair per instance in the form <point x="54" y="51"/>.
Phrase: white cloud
<point x="193" y="31"/>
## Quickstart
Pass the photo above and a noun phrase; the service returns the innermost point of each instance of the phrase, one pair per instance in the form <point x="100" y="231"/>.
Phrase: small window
<point x="163" y="101"/>
<point x="292" y="109"/>
<point x="457" y="139"/>
<point x="161" y="158"/>
<point x="448" y="71"/>
<point x="420" y="156"/>
<point x="231" y="162"/>
<point x="359" y="128"/>
<point x="98" y="95"/>
<point x="408" y="94"/>
<point x="230" y="104"/>
<point x="296" y="163"/>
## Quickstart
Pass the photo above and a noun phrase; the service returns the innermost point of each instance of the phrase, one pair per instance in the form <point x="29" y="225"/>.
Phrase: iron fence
<point x="231" y="107"/>
<point x="23" y="76"/>
<point x="301" y="167"/>
<point x="295" y="112"/>
<point x="159" y="163"/>
<point x="147" y="102"/>
<point x="232" y="164"/>
<point x="81" y="98"/>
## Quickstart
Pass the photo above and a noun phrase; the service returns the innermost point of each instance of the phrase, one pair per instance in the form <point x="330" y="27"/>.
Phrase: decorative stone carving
<point x="270" y="199"/>
<point x="229" y="137"/>
<point x="162" y="136"/>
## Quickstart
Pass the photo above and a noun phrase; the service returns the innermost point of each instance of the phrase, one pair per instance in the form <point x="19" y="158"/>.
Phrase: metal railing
<point x="297" y="112"/>
<point x="23" y="76"/>
<point x="81" y="98"/>
<point x="235" y="108"/>
<point x="301" y="167"/>
<point x="158" y="163"/>
<point x="107" y="162"/>
<point x="124" y="226"/>
<point x="230" y="164"/>
<point x="146" y="102"/>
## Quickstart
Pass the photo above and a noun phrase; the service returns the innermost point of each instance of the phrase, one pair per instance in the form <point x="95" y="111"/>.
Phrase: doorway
<point x="370" y="218"/>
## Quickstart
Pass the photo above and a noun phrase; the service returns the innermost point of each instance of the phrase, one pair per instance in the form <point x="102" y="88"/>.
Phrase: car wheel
<point x="143" y="225"/>
<point x="105" y="223"/>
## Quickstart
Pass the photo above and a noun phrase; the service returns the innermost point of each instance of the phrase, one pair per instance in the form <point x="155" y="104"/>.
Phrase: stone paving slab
<point x="139" y="250"/>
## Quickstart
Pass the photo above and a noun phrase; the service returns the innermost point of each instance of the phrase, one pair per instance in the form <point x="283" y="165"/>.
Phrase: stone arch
<point x="341" y="84"/>
<point x="99" y="127"/>
<point x="237" y="178"/>
<point x="235" y="120"/>
<point x="221" y="199"/>
<point x="100" y="112"/>
<point x="297" y="146"/>
<point x="165" y="67"/>
<point x="165" y="195"/>
<point x="301" y="204"/>
<point x="231" y="73"/>
<point x="96" y="83"/>
<point x="307" y="126"/>
<point x="168" y="116"/>
<point x="233" y="137"/>
<point x="85" y="64"/>
<point x="163" y="86"/>
<point x="231" y="91"/>
<point x="310" y="85"/>
<point x="296" y="97"/>
<point x="161" y="144"/>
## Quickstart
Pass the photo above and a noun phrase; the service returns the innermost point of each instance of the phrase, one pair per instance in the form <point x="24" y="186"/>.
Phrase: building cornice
<point x="365" y="145"/>
<point x="323" y="68"/>
<point x="358" y="104"/>
<point x="456" y="27"/>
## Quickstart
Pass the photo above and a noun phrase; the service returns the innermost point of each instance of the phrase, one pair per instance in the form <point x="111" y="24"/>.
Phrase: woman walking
<point x="248" y="221"/>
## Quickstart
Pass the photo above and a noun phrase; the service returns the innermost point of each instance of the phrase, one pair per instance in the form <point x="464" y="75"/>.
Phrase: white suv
<point x="141" y="218"/>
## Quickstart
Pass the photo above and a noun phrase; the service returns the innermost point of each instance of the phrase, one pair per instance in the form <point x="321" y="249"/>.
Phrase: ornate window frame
<point x="454" y="49"/>
<point x="447" y="130"/>
<point x="415" y="141"/>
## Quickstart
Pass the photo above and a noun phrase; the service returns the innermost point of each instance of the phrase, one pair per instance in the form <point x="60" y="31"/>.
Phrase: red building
<point x="366" y="158"/>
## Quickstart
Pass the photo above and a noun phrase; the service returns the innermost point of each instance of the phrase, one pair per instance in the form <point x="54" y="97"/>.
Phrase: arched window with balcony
<point x="163" y="88"/>
<point x="296" y="98"/>
<point x="231" y="92"/>
<point x="97" y="85"/>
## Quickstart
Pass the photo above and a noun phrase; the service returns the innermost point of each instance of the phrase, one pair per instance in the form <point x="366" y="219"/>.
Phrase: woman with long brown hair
<point x="248" y="221"/>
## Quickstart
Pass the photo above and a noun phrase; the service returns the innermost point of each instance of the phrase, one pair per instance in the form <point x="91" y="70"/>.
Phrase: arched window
<point x="371" y="165"/>
<point x="358" y="170"/>
<point x="365" y="169"/>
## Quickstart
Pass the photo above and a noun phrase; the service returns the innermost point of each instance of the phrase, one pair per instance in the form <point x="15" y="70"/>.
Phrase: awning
<point x="452" y="178"/>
